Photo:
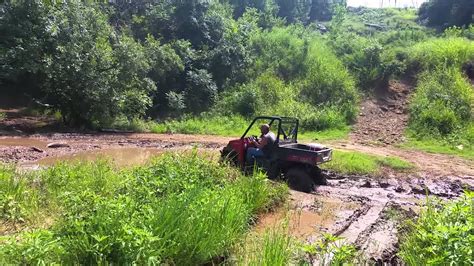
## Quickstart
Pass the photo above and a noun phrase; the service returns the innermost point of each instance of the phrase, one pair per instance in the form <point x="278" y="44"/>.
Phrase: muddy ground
<point x="366" y="211"/>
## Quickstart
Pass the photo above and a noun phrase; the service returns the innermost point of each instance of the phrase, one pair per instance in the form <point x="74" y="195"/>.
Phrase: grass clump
<point x="179" y="209"/>
<point x="352" y="162"/>
<point x="330" y="250"/>
<point x="272" y="247"/>
<point x="442" y="235"/>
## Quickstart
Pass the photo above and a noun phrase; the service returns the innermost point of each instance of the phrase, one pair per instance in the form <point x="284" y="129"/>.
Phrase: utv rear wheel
<point x="319" y="177"/>
<point x="300" y="180"/>
<point x="229" y="157"/>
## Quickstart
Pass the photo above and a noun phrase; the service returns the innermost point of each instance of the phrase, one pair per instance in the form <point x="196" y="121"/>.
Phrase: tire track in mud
<point x="373" y="228"/>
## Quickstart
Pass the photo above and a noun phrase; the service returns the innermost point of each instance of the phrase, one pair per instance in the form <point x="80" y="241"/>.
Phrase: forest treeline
<point x="97" y="63"/>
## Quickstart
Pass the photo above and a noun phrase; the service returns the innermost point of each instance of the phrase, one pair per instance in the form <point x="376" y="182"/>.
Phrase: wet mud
<point x="365" y="211"/>
<point x="379" y="208"/>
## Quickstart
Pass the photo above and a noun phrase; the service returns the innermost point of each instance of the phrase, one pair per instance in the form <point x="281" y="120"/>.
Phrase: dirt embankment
<point x="383" y="117"/>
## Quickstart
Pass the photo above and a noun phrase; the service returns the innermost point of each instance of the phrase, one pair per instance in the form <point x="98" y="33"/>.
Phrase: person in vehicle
<point x="262" y="146"/>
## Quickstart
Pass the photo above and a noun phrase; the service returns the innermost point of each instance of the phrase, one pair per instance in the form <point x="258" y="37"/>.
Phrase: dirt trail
<point x="428" y="164"/>
<point x="381" y="124"/>
<point x="383" y="117"/>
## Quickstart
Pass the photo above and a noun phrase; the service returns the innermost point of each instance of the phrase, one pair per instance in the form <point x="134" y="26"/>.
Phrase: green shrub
<point x="326" y="82"/>
<point x="442" y="235"/>
<point x="279" y="50"/>
<point x="442" y="103"/>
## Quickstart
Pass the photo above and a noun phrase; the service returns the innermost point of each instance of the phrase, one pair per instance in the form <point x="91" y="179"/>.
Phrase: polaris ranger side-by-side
<point x="287" y="159"/>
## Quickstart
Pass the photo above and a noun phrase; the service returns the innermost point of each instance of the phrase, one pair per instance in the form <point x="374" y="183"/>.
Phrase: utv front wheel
<point x="300" y="180"/>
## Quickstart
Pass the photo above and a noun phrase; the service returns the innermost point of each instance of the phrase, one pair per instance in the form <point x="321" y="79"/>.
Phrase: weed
<point x="3" y="116"/>
<point x="330" y="250"/>
<point x="273" y="247"/>
<point x="442" y="235"/>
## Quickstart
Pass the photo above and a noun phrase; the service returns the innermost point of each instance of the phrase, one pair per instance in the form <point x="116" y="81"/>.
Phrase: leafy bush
<point x="180" y="209"/>
<point x="442" y="234"/>
<point x="442" y="103"/>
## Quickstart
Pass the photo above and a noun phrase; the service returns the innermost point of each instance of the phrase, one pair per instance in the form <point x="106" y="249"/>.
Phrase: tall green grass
<point x="443" y="234"/>
<point x="179" y="209"/>
<point x="435" y="53"/>
<point x="272" y="247"/>
<point x="210" y="125"/>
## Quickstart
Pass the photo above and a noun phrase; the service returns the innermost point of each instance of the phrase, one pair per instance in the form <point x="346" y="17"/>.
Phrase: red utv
<point x="289" y="160"/>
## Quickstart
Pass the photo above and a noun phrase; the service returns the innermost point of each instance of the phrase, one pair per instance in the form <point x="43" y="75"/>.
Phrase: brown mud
<point x="366" y="213"/>
<point x="48" y="148"/>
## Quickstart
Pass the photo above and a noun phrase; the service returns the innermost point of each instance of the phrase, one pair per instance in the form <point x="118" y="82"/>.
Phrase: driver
<point x="262" y="147"/>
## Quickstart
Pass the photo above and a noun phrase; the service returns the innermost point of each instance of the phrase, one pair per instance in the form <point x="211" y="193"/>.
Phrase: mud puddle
<point x="306" y="215"/>
<point x="128" y="148"/>
<point x="23" y="142"/>
<point x="122" y="157"/>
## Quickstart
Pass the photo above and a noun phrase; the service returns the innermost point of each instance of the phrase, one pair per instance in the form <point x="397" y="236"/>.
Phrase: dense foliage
<point x="99" y="62"/>
<point x="443" y="103"/>
<point x="188" y="63"/>
<point x="180" y="209"/>
<point x="442" y="235"/>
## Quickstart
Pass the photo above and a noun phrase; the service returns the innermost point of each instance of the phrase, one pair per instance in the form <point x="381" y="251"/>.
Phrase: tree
<point x="90" y="79"/>
<point x="445" y="13"/>
<point x="24" y="41"/>
<point x="201" y="91"/>
<point x="294" y="10"/>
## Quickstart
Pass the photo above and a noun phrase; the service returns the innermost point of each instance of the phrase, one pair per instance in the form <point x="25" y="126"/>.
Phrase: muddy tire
<point x="300" y="180"/>
<point x="319" y="177"/>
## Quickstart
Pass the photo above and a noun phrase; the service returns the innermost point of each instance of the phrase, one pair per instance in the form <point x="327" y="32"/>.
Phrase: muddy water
<point x="23" y="142"/>
<point x="122" y="157"/>
<point x="306" y="219"/>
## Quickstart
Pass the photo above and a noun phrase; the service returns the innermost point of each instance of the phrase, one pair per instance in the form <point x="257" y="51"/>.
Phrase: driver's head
<point x="265" y="128"/>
